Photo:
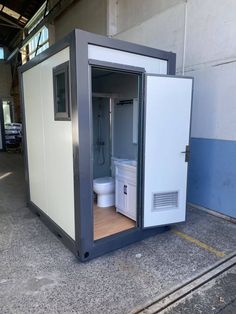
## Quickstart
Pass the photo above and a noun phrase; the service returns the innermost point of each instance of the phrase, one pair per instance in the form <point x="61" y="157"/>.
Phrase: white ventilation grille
<point x="165" y="200"/>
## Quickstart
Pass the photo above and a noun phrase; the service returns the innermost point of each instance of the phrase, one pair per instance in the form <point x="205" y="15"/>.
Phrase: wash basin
<point x="132" y="163"/>
<point x="126" y="168"/>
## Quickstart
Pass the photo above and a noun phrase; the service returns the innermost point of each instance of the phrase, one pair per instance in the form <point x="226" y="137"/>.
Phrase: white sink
<point x="132" y="163"/>
<point x="126" y="163"/>
<point x="126" y="168"/>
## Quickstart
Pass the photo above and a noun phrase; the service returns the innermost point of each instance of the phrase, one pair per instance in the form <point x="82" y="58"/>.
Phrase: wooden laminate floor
<point x="107" y="222"/>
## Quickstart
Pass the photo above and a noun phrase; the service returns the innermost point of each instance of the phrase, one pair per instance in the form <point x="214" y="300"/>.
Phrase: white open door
<point x="167" y="124"/>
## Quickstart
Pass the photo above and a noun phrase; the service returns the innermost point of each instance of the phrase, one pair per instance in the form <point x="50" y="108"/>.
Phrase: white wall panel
<point x="214" y="106"/>
<point x="35" y="136"/>
<point x="152" y="65"/>
<point x="54" y="193"/>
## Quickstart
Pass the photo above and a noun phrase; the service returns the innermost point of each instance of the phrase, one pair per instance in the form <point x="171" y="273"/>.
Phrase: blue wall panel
<point x="212" y="175"/>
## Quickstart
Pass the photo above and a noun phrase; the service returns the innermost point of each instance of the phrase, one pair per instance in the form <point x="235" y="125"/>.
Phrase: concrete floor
<point x="217" y="296"/>
<point x="39" y="275"/>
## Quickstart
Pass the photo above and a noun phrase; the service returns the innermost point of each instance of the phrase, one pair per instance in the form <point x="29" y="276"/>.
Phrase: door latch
<point x="187" y="153"/>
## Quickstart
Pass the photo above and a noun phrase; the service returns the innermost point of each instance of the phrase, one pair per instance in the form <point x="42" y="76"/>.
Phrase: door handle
<point x="125" y="189"/>
<point x="187" y="153"/>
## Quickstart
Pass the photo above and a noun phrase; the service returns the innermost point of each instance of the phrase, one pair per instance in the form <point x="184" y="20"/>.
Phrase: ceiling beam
<point x="8" y="25"/>
<point x="5" y="19"/>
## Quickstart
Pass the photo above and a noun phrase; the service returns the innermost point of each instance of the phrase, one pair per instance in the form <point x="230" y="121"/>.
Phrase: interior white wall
<point x="50" y="147"/>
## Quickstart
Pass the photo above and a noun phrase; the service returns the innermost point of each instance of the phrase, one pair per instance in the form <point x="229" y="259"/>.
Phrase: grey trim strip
<point x="115" y="66"/>
<point x="171" y="76"/>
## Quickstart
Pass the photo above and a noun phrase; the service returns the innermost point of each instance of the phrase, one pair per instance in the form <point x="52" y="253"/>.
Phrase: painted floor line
<point x="198" y="243"/>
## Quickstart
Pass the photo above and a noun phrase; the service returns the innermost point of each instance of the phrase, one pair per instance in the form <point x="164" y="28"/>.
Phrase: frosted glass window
<point x="61" y="91"/>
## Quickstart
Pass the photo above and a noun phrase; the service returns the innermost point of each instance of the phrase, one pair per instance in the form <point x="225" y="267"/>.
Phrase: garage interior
<point x="38" y="274"/>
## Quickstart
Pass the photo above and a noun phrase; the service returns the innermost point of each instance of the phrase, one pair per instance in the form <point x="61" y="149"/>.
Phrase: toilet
<point x="105" y="187"/>
<point x="105" y="190"/>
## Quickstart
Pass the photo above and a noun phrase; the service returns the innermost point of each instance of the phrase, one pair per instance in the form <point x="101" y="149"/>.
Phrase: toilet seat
<point x="103" y="181"/>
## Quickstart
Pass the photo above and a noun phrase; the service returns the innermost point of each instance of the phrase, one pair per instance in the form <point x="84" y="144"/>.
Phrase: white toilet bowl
<point x="105" y="190"/>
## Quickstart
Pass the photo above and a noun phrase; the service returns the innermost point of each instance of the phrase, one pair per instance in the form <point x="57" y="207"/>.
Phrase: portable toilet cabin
<point x="107" y="127"/>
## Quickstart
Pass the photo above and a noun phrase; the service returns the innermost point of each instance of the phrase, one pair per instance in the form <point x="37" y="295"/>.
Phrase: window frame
<point x="61" y="116"/>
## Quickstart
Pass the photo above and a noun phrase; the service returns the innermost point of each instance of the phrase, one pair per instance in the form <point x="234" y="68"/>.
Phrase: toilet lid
<point x="104" y="180"/>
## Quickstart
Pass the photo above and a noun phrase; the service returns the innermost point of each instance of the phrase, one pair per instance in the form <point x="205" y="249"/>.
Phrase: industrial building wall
<point x="5" y="88"/>
<point x="49" y="146"/>
<point x="202" y="33"/>
<point x="5" y="79"/>
<point x="87" y="15"/>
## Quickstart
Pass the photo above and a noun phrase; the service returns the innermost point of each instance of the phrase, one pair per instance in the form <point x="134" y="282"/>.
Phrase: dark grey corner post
<point x="82" y="149"/>
<point x="171" y="65"/>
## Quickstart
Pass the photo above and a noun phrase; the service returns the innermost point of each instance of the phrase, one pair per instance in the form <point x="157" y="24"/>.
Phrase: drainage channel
<point x="178" y="293"/>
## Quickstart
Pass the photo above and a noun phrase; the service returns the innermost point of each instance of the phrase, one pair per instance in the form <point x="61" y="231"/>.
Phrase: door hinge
<point x="187" y="153"/>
